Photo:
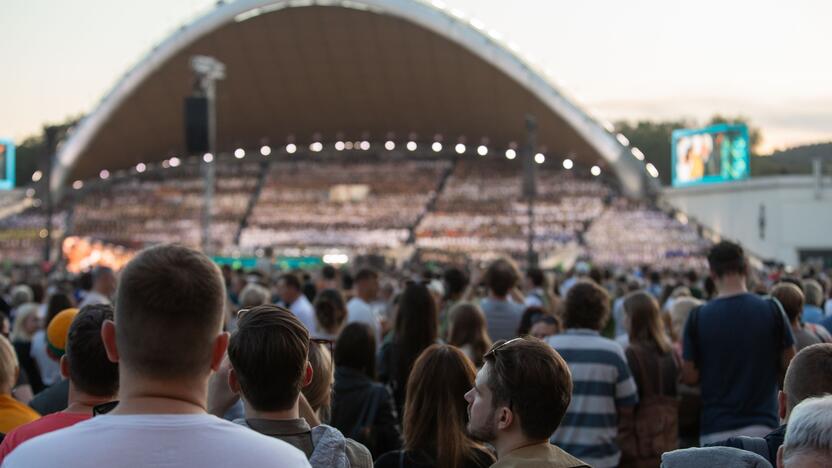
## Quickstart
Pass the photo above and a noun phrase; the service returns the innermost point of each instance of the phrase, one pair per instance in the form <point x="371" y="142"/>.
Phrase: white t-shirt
<point x="166" y="440"/>
<point x="360" y="311"/>
<point x="50" y="370"/>
<point x="93" y="298"/>
<point x="304" y="311"/>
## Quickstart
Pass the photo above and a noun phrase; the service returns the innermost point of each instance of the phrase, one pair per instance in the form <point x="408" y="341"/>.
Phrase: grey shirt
<point x="502" y="317"/>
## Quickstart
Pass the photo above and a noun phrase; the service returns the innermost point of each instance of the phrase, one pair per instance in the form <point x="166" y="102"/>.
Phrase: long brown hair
<point x="468" y="327"/>
<point x="645" y="322"/>
<point x="435" y="413"/>
<point x="415" y="328"/>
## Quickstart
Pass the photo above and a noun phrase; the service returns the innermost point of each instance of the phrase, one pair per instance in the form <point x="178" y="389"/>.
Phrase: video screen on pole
<point x="719" y="153"/>
<point x="6" y="164"/>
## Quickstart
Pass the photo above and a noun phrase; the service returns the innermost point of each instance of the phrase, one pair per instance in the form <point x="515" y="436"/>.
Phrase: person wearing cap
<point x="12" y="412"/>
<point x="56" y="397"/>
<point x="92" y="378"/>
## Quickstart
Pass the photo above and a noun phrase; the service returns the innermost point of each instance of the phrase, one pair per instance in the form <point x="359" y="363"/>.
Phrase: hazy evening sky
<point x="765" y="59"/>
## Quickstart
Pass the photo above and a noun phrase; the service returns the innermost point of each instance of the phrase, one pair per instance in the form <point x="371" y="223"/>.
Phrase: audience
<point x="604" y="394"/>
<point x="56" y="397"/>
<point x="501" y="313"/>
<point x="808" y="443"/>
<point x="103" y="287"/>
<point x="805" y="334"/>
<point x="12" y="412"/>
<point x="318" y="392"/>
<point x="92" y="377"/>
<point x="415" y="329"/>
<point x="330" y="314"/>
<point x="26" y="324"/>
<point x="736" y="346"/>
<point x="270" y="337"/>
<point x="167" y="338"/>
<point x="468" y="332"/>
<point x="362" y="409"/>
<point x="360" y="308"/>
<point x="289" y="289"/>
<point x="813" y="303"/>
<point x="519" y="398"/>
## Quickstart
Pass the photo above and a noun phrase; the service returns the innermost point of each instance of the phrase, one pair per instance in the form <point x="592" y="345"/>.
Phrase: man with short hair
<point x="93" y="379"/>
<point x="736" y="347"/>
<point x="103" y="287"/>
<point x="272" y="338"/>
<point x="360" y="308"/>
<point x="604" y="394"/>
<point x="805" y="334"/>
<point x="167" y="339"/>
<point x="519" y="398"/>
<point x="813" y="304"/>
<point x="502" y="315"/>
<point x="291" y="295"/>
<point x="808" y="442"/>
<point x="809" y="375"/>
<point x="536" y="285"/>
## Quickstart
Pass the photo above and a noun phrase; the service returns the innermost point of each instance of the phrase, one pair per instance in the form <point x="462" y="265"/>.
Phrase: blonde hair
<point x="23" y="313"/>
<point x="319" y="391"/>
<point x="8" y="364"/>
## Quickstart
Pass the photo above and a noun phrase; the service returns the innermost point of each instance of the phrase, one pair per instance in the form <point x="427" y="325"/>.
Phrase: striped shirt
<point x="601" y="381"/>
<point x="502" y="318"/>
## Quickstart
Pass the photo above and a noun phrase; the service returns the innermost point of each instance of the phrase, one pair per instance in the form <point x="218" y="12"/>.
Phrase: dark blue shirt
<point x="737" y="343"/>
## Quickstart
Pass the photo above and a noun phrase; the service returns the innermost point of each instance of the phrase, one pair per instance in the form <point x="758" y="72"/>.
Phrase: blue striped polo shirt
<point x="601" y="381"/>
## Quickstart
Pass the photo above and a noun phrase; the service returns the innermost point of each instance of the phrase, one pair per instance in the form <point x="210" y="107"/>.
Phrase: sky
<point x="638" y="59"/>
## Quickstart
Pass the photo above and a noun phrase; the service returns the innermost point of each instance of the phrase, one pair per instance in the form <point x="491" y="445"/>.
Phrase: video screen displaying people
<point x="712" y="154"/>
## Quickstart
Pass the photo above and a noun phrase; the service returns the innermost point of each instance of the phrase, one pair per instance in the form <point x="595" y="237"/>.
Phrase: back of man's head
<point x="587" y="306"/>
<point x="727" y="258"/>
<point x="809" y="374"/>
<point x="292" y="281"/>
<point x="90" y="371"/>
<point x="501" y="276"/>
<point x="790" y="298"/>
<point x="329" y="273"/>
<point x="169" y="311"/>
<point x="535" y="380"/>
<point x="814" y="292"/>
<point x="268" y="353"/>
<point x="537" y="277"/>
<point x="365" y="274"/>
<point x="808" y="441"/>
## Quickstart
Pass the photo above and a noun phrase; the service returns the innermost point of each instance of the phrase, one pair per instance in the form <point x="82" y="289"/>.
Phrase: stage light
<point x="460" y="148"/>
<point x="622" y="139"/>
<point x="291" y="148"/>
<point x="389" y="145"/>
<point x="568" y="164"/>
<point x="365" y="145"/>
<point x="596" y="171"/>
<point x="335" y="259"/>
<point x="348" y="145"/>
<point x="411" y="146"/>
<point x="36" y="176"/>
<point x="339" y="146"/>
<point x="265" y="150"/>
<point x="316" y="147"/>
<point x="208" y="158"/>
<point x="239" y="153"/>
<point x="78" y="185"/>
<point x="651" y="169"/>
<point x="539" y="158"/>
<point x="638" y="154"/>
<point x="104" y="174"/>
<point x="436" y="147"/>
<point x="511" y="154"/>
<point x="140" y="167"/>
<point x="174" y="162"/>
<point x="482" y="150"/>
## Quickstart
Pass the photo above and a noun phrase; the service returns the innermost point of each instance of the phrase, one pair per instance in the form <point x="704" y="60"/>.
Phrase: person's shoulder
<point x="389" y="459"/>
<point x="359" y="455"/>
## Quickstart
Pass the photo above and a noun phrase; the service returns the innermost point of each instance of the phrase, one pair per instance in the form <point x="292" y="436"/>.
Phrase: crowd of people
<point x="174" y="361"/>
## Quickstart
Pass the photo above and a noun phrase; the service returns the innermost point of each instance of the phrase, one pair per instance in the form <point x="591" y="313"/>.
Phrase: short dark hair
<point x="725" y="258"/>
<point x="330" y="310"/>
<point x="89" y="368"/>
<point x="456" y="280"/>
<point x="365" y="274"/>
<point x="356" y="349"/>
<point x="587" y="306"/>
<point x="290" y="280"/>
<point x="537" y="276"/>
<point x="269" y="352"/>
<point x="501" y="276"/>
<point x="169" y="310"/>
<point x="809" y="374"/>
<point x="328" y="272"/>
<point x="790" y="297"/>
<point x="534" y="379"/>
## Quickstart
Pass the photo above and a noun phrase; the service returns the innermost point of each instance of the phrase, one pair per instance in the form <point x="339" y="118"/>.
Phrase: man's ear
<point x="505" y="418"/>
<point x="308" y="374"/>
<point x="233" y="381"/>
<point x="64" y="367"/>
<point x="218" y="353"/>
<point x="108" y="336"/>
<point x="782" y="400"/>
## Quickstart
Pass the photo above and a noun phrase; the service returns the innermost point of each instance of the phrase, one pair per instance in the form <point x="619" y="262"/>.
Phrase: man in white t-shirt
<point x="360" y="308"/>
<point x="103" y="287"/>
<point x="291" y="295"/>
<point x="167" y="338"/>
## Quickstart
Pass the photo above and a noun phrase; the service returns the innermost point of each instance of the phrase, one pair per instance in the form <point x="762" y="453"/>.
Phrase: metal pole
<point x="530" y="186"/>
<point x="51" y="146"/>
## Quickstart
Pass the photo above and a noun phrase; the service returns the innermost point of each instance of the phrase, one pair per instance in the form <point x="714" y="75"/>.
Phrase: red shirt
<point x="48" y="423"/>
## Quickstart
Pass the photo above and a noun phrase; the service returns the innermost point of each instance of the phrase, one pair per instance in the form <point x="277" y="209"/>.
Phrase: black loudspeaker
<point x="196" y="125"/>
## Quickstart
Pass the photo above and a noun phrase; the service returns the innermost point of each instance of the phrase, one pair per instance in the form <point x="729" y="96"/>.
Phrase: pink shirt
<point x="48" y="423"/>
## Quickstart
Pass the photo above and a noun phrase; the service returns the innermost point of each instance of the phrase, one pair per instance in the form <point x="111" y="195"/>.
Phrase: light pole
<point x="530" y="186"/>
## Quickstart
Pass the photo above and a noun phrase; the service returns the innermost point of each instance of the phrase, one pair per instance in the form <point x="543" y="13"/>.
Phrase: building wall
<point x="773" y="217"/>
